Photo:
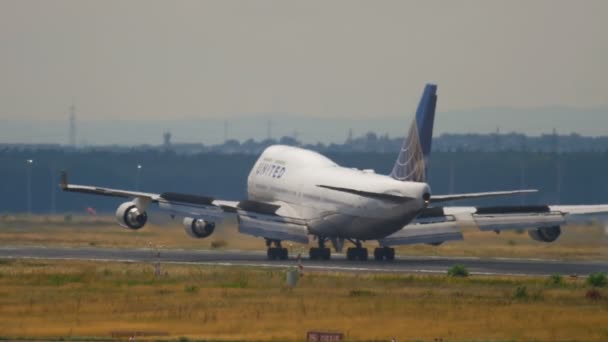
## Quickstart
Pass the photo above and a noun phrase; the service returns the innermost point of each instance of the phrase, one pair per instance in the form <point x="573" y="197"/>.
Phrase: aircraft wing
<point x="473" y="195"/>
<point x="270" y="220"/>
<point x="581" y="209"/>
<point x="87" y="189"/>
<point x="500" y="218"/>
<point x="430" y="231"/>
<point x="177" y="203"/>
<point x="439" y="224"/>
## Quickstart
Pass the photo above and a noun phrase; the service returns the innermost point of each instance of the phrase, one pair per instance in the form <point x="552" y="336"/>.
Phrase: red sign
<point x="318" y="336"/>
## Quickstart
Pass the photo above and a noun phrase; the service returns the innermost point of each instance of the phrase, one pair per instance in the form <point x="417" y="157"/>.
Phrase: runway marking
<point x="240" y="258"/>
<point x="283" y="266"/>
<point x="259" y="252"/>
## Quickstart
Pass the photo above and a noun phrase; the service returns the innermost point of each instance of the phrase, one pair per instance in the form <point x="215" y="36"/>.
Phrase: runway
<point x="403" y="264"/>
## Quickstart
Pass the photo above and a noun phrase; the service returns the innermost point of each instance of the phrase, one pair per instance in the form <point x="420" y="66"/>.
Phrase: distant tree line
<point x="577" y="177"/>
<point x="369" y="142"/>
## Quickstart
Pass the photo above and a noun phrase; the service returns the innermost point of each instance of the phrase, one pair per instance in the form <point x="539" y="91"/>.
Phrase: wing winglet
<point x="63" y="180"/>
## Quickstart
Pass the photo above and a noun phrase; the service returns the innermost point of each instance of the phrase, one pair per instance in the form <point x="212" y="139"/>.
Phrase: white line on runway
<point x="259" y="252"/>
<point x="283" y="266"/>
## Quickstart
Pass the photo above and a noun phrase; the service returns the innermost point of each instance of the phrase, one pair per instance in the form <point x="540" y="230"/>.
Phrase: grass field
<point x="73" y="300"/>
<point x="76" y="300"/>
<point x="584" y="242"/>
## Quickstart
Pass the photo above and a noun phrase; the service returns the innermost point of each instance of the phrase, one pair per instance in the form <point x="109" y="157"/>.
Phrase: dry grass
<point x="576" y="243"/>
<point x="103" y="231"/>
<point x="53" y="299"/>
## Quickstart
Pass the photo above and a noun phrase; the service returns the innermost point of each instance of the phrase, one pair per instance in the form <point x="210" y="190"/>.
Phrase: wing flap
<point x="430" y="233"/>
<point x="258" y="207"/>
<point x="498" y="222"/>
<point x="186" y="198"/>
<point x="273" y="227"/>
<point x="227" y="206"/>
<point x="206" y="212"/>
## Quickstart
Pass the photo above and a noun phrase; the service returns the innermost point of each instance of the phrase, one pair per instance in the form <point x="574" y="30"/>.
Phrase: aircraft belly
<point x="355" y="227"/>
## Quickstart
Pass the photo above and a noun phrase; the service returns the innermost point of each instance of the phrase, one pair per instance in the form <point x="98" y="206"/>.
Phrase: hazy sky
<point x="347" y="59"/>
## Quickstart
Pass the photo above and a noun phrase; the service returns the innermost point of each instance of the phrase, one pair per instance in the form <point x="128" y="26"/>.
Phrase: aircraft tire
<point x="356" y="254"/>
<point x="351" y="254"/>
<point x="326" y="253"/>
<point x="271" y="254"/>
<point x="313" y="253"/>
<point x="390" y="254"/>
<point x="378" y="254"/>
<point x="277" y="253"/>
<point x="384" y="253"/>
<point x="363" y="254"/>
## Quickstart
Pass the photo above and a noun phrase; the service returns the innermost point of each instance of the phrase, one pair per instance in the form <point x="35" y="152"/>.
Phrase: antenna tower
<point x="72" y="122"/>
<point x="269" y="129"/>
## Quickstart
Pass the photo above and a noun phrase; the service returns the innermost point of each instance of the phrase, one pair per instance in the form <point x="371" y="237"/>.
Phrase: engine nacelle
<point x="435" y="244"/>
<point x="547" y="234"/>
<point x="130" y="217"/>
<point x="198" y="228"/>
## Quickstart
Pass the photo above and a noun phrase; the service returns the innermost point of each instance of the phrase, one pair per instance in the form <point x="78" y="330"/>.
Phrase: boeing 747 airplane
<point x="294" y="194"/>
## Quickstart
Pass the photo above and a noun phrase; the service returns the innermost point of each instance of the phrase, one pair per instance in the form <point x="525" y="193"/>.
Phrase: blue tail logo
<point x="411" y="164"/>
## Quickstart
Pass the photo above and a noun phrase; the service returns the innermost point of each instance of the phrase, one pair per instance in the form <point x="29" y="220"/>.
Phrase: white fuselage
<point x="290" y="177"/>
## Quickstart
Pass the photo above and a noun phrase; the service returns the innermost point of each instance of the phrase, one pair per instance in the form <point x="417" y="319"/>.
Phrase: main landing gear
<point x="357" y="252"/>
<point x="321" y="252"/>
<point x="277" y="252"/>
<point x="384" y="253"/>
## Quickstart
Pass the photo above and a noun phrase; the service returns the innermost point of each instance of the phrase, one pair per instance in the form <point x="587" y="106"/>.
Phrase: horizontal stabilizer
<point x="368" y="194"/>
<point x="455" y="197"/>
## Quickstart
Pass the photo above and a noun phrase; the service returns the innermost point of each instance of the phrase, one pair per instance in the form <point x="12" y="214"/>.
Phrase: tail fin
<point x="416" y="148"/>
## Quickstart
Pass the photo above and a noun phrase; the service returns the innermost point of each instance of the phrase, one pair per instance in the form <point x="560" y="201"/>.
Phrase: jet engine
<point x="130" y="217"/>
<point x="547" y="234"/>
<point x="198" y="228"/>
